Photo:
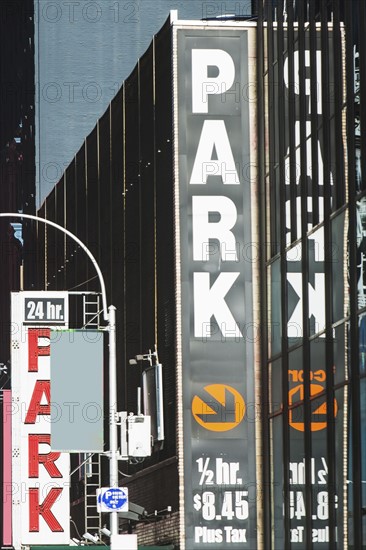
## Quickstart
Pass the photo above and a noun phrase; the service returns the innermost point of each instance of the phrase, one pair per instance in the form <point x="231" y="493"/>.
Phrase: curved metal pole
<point x="79" y="242"/>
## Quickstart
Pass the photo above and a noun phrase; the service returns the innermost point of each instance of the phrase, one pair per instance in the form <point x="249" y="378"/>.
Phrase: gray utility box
<point x="135" y="435"/>
<point x="139" y="435"/>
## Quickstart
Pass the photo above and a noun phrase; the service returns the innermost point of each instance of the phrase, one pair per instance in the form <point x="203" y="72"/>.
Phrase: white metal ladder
<point x="91" y="310"/>
<point x="92" y="482"/>
<point x="92" y="469"/>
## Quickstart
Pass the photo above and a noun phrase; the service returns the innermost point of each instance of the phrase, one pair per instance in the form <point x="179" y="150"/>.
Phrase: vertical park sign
<point x="214" y="264"/>
<point x="40" y="476"/>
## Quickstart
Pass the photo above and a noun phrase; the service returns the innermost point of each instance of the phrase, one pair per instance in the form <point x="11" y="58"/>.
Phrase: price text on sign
<point x="234" y="504"/>
<point x="221" y="498"/>
<point x="220" y="408"/>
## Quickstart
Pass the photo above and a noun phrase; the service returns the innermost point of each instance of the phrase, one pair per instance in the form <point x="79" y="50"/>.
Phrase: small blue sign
<point x="113" y="499"/>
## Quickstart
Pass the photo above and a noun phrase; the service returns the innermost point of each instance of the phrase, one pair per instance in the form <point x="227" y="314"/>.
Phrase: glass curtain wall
<point x="312" y="81"/>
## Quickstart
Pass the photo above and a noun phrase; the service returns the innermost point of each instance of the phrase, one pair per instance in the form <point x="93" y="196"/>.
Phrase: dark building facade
<point x="17" y="165"/>
<point x="16" y="140"/>
<point x="117" y="197"/>
<point x="121" y="197"/>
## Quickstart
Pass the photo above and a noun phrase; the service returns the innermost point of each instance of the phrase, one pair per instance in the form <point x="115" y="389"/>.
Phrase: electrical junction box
<point x="139" y="435"/>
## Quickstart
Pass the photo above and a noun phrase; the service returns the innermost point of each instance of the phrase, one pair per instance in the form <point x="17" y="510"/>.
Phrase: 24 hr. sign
<point x="45" y="311"/>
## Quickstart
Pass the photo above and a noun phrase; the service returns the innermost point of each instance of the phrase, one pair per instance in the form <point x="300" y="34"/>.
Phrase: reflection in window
<point x="339" y="266"/>
<point x="297" y="480"/>
<point x="274" y="315"/>
<point x="275" y="386"/>
<point x="341" y="461"/>
<point x="361" y="252"/>
<point x="277" y="495"/>
<point x="362" y="343"/>
<point x="363" y="456"/>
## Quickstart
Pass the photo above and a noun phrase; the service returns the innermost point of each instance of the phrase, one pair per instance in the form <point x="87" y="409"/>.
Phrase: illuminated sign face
<point x="214" y="265"/>
<point x="40" y="484"/>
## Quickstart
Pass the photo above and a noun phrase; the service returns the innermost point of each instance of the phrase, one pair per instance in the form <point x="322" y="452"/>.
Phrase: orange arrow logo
<point x="219" y="409"/>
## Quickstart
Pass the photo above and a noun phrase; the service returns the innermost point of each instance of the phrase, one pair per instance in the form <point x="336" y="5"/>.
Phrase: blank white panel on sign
<point x="77" y="391"/>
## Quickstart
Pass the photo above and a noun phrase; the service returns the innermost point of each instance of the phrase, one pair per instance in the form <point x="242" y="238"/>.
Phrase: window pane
<point x="296" y="506"/>
<point x="274" y="315"/>
<point x="339" y="353"/>
<point x="294" y="295"/>
<point x="275" y="386"/>
<point x="361" y="252"/>
<point x="338" y="259"/>
<point x="295" y="377"/>
<point x="277" y="506"/>
<point x="363" y="456"/>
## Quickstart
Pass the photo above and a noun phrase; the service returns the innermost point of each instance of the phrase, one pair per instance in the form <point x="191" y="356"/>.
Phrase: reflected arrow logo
<point x="219" y="408"/>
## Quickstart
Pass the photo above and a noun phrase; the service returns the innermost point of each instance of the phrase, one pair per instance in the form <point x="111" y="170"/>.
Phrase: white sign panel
<point x="41" y="501"/>
<point x="112" y="499"/>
